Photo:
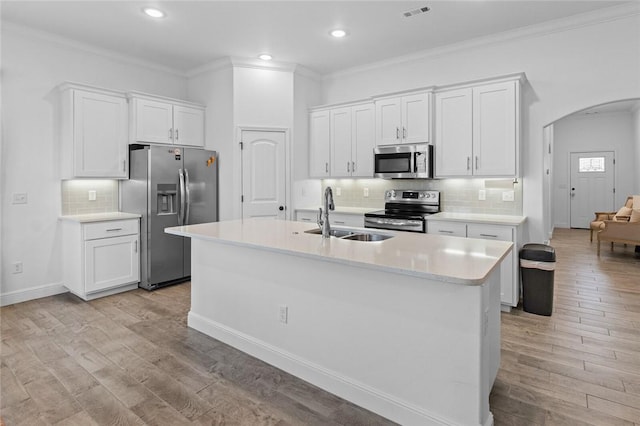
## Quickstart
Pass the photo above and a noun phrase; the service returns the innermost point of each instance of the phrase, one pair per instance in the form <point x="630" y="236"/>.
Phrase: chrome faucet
<point x="323" y="218"/>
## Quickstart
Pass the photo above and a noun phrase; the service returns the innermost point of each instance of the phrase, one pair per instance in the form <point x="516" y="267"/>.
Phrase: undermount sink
<point x="354" y="235"/>
<point x="367" y="237"/>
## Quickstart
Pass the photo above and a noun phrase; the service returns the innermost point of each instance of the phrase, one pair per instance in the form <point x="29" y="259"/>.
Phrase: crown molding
<point x="40" y="35"/>
<point x="555" y="26"/>
<point x="239" y="62"/>
<point x="212" y="66"/>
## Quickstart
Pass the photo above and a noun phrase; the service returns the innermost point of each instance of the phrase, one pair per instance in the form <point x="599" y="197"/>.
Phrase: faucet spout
<point x="328" y="205"/>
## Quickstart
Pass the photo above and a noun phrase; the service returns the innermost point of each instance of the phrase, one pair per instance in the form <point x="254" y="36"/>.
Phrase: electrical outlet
<point x="92" y="195"/>
<point x="338" y="191"/>
<point x="508" y="196"/>
<point x="284" y="314"/>
<point x="16" y="267"/>
<point x="482" y="194"/>
<point x="366" y="192"/>
<point x="20" y="198"/>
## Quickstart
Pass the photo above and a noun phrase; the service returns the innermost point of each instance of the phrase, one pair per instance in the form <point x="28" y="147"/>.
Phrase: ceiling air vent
<point x="415" y="12"/>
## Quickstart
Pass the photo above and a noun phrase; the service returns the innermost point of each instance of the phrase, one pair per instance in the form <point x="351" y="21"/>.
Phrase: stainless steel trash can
<point x="537" y="266"/>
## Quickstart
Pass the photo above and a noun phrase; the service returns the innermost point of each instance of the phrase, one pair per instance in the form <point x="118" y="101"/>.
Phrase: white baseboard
<point x="345" y="387"/>
<point x="32" y="293"/>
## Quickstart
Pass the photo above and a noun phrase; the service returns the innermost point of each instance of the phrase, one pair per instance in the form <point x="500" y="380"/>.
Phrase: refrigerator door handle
<point x="188" y="196"/>
<point x="182" y="198"/>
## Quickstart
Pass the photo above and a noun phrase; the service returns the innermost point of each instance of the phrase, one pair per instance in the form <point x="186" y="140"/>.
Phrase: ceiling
<point x="195" y="33"/>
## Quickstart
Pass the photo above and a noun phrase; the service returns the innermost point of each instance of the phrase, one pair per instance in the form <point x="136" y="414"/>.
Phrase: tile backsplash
<point x="457" y="195"/>
<point x="75" y="196"/>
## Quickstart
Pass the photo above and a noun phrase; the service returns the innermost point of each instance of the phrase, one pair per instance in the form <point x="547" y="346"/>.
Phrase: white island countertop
<point x="493" y="219"/>
<point x="437" y="257"/>
<point x="99" y="217"/>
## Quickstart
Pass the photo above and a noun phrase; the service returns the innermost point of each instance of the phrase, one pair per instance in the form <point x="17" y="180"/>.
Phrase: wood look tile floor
<point x="129" y="359"/>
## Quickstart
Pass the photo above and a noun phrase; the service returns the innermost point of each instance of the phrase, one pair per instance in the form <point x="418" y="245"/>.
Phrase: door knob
<point x="281" y="208"/>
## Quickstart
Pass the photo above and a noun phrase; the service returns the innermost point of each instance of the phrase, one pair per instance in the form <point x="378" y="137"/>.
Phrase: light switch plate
<point x="482" y="194"/>
<point x="338" y="191"/>
<point x="507" y="196"/>
<point x="92" y="195"/>
<point x="366" y="192"/>
<point x="20" y="198"/>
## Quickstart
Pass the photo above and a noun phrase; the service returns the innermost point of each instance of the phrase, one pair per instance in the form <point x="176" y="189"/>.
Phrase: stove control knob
<point x="427" y="195"/>
<point x="393" y="193"/>
<point x="422" y="195"/>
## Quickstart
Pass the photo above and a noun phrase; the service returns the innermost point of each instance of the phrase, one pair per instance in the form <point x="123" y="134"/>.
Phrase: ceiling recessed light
<point x="265" y="57"/>
<point x="154" y="13"/>
<point x="338" y="33"/>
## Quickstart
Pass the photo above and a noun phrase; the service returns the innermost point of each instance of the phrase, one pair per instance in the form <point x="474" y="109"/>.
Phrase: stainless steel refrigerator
<point x="169" y="186"/>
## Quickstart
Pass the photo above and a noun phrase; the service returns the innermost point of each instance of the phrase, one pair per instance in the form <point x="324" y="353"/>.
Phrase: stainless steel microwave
<point x="403" y="161"/>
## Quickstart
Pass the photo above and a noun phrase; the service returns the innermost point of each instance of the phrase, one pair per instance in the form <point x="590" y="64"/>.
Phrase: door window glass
<point x="591" y="164"/>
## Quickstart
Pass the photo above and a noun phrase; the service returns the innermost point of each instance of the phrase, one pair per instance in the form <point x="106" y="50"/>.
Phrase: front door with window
<point x="592" y="186"/>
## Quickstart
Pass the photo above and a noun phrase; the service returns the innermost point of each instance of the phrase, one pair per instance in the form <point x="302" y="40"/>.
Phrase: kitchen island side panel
<point x="415" y="350"/>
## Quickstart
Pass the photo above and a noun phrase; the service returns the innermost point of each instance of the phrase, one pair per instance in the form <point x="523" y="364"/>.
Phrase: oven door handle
<point x="396" y="222"/>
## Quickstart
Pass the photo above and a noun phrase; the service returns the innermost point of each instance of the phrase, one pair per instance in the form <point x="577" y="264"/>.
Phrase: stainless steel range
<point x="404" y="210"/>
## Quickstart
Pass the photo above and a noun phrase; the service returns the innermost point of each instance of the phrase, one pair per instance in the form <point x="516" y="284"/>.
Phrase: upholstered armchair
<point x="598" y="223"/>
<point x="622" y="229"/>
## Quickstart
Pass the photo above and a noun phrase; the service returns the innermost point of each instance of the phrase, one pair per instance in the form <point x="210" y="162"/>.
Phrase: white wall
<point x="585" y="133"/>
<point x="635" y="117"/>
<point x="32" y="67"/>
<point x="567" y="70"/>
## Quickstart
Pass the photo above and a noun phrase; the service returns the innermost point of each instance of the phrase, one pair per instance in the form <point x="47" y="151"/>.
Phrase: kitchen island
<point x="407" y="327"/>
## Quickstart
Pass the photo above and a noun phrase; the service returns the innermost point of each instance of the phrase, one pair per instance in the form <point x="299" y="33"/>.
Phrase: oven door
<point x="411" y="225"/>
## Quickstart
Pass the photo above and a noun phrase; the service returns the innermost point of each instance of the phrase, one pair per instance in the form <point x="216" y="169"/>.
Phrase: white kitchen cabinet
<point x="477" y="130"/>
<point x="403" y="119"/>
<point x="101" y="258"/>
<point x="166" y="121"/>
<point x="93" y="133"/>
<point x="355" y="220"/>
<point x="352" y="141"/>
<point x="509" y="269"/>
<point x="319" y="143"/>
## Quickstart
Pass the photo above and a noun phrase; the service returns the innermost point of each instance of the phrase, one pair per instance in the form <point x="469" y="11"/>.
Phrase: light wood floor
<point x="130" y="359"/>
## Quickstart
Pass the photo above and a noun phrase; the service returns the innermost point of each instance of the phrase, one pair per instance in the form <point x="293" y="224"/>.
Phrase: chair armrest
<point x="604" y="216"/>
<point x="622" y="218"/>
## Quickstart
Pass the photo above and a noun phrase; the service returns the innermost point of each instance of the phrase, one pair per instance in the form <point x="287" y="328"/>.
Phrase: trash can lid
<point x="539" y="252"/>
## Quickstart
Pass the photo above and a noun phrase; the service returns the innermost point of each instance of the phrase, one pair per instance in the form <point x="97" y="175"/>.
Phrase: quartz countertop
<point x="100" y="217"/>
<point x="451" y="259"/>
<point x="494" y="219"/>
<point x="345" y="210"/>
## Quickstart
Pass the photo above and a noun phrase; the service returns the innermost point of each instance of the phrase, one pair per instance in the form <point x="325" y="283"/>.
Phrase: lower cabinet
<point x="101" y="258"/>
<point x="509" y="272"/>
<point x="337" y="219"/>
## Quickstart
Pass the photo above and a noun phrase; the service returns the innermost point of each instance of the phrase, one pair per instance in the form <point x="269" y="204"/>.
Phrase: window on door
<point x="591" y="165"/>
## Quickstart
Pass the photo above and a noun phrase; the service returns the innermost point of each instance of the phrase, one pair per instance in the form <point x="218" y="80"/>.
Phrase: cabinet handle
<point x="170" y="133"/>
<point x="444" y="231"/>
<point x="305" y="219"/>
<point x="476" y="162"/>
<point x="348" y="167"/>
<point x="135" y="247"/>
<point x="489" y="235"/>
<point x="114" y="229"/>
<point x="353" y="166"/>
<point x="177" y="135"/>
<point x="397" y="133"/>
<point x="326" y="167"/>
<point x="468" y="163"/>
<point x="404" y="132"/>
<point x="340" y="222"/>
<point x="124" y="165"/>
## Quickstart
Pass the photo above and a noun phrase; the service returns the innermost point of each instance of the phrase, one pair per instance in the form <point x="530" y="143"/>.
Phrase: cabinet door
<point x="110" y="262"/>
<point x="494" y="130"/>
<point x="453" y="133"/>
<point x="508" y="270"/>
<point x="319" y="144"/>
<point x="100" y="135"/>
<point x="346" y="219"/>
<point x="153" y="121"/>
<point x="362" y="140"/>
<point x="415" y="118"/>
<point x="341" y="142"/>
<point x="188" y="126"/>
<point x="388" y="120"/>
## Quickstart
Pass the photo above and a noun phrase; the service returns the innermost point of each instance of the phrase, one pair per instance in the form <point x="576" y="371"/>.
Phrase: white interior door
<point x="592" y="186"/>
<point x="263" y="174"/>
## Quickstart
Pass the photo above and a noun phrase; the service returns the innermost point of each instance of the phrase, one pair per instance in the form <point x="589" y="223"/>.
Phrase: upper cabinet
<point x="167" y="121"/>
<point x="477" y="129"/>
<point x="403" y="119"/>
<point x="93" y="133"/>
<point x="341" y="141"/>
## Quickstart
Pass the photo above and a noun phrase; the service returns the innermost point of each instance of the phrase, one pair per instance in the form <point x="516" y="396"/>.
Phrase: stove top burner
<point x="404" y="210"/>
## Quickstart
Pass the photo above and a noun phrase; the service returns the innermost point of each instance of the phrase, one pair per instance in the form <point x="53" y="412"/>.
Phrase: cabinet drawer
<point x="455" y="229"/>
<point x="306" y="216"/>
<point x="112" y="228"/>
<point x="490" y="232"/>
<point x="346" y="219"/>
